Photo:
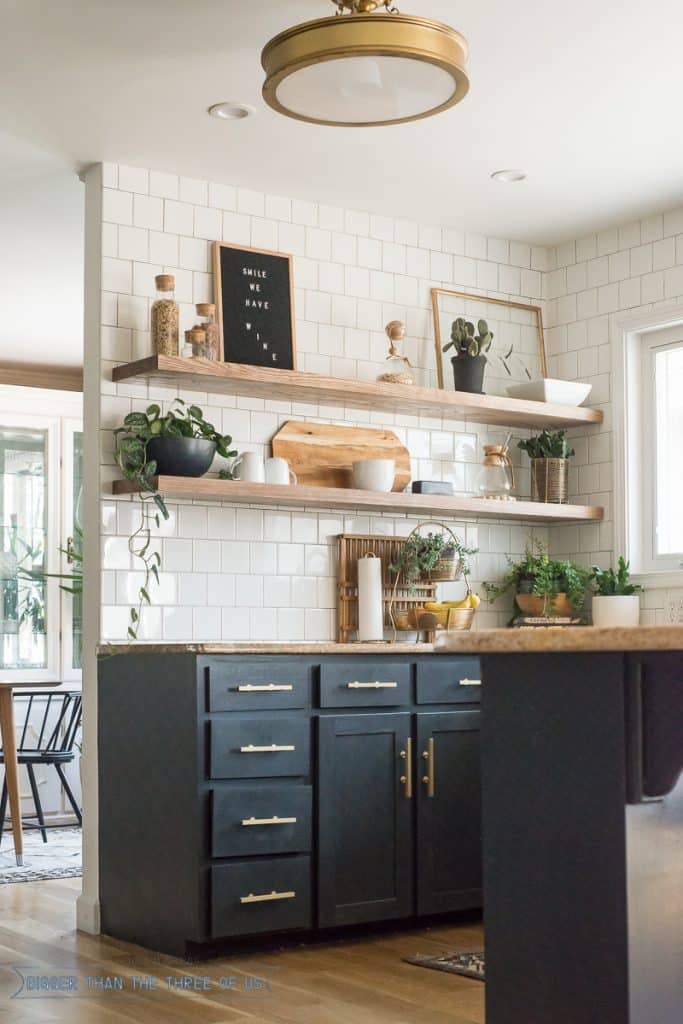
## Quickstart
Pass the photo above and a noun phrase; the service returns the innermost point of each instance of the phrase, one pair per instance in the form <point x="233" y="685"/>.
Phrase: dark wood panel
<point x="553" y="774"/>
<point x="256" y="684"/>
<point x="449" y="821"/>
<point x="365" y="821"/>
<point x="364" y="682"/>
<point x="235" y="834"/>
<point x="448" y="681"/>
<point x="276" y="876"/>
<point x="240" y="747"/>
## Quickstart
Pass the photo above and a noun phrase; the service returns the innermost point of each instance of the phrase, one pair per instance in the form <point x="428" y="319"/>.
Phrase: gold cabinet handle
<point x="274" y="748"/>
<point x="267" y="897"/>
<point x="372" y="686"/>
<point x="269" y="821"/>
<point x="407" y="777"/>
<point x="469" y="682"/>
<point x="268" y="688"/>
<point x="429" y="779"/>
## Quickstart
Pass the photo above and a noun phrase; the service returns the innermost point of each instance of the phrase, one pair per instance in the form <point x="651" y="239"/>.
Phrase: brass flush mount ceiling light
<point x="365" y="67"/>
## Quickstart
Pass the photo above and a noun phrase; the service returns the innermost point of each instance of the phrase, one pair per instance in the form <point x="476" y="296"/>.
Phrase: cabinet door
<point x="365" y="827"/>
<point x="449" y="854"/>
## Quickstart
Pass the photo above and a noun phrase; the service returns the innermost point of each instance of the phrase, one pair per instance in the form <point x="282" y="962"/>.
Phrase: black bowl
<point x="181" y="456"/>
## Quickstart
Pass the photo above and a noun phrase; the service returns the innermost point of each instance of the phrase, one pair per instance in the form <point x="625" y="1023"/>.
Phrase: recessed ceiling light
<point x="231" y="111"/>
<point x="509" y="176"/>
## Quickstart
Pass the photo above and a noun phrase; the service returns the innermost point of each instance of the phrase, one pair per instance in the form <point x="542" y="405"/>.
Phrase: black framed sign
<point x="255" y="306"/>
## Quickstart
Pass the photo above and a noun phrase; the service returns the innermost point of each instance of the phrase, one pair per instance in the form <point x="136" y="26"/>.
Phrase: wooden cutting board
<point x="322" y="455"/>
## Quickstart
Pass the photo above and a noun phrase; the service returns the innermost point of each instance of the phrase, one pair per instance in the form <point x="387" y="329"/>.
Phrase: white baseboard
<point x="88" y="915"/>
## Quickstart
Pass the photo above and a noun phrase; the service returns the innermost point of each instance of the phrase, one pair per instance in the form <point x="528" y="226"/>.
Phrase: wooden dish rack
<point x="406" y="599"/>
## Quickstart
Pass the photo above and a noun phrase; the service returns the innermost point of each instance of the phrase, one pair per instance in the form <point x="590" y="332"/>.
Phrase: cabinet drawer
<point x="265" y="895"/>
<point x="251" y="820"/>
<point x="250" y="684"/>
<point x="449" y="681"/>
<point x="364" y="683"/>
<point x="257" y="748"/>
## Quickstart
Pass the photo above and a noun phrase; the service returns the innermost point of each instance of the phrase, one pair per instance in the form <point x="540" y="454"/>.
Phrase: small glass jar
<point x="195" y="343"/>
<point x="165" y="317"/>
<point x="497" y="475"/>
<point x="207" y="311"/>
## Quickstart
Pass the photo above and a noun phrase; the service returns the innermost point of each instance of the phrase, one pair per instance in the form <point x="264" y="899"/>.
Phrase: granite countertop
<point x="485" y="641"/>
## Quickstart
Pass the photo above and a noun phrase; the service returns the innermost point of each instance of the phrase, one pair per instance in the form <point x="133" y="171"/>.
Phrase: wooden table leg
<point x="9" y="749"/>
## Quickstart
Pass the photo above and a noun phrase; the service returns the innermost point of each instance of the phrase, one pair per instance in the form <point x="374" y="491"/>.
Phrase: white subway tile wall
<point x="633" y="269"/>
<point x="245" y="573"/>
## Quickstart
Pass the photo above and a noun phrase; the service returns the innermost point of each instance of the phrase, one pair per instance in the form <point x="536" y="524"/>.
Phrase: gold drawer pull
<point x="269" y="821"/>
<point x="372" y="686"/>
<point x="469" y="682"/>
<point x="266" y="897"/>
<point x="269" y="688"/>
<point x="274" y="748"/>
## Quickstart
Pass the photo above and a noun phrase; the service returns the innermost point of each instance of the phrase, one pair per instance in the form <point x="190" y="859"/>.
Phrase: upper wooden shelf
<point x="294" y="386"/>
<point x="240" y="493"/>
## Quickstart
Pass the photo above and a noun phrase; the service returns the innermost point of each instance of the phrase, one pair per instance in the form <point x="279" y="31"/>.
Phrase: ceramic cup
<point x="249" y="467"/>
<point x="374" y="474"/>
<point x="278" y="472"/>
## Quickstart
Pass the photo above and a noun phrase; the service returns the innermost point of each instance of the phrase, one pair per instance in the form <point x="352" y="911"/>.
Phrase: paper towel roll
<point x="370" y="607"/>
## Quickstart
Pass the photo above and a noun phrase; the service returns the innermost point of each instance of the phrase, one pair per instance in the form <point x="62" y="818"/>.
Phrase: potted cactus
<point x="469" y="361"/>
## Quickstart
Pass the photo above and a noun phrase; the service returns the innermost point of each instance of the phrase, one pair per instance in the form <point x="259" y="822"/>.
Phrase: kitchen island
<point x="582" y="751"/>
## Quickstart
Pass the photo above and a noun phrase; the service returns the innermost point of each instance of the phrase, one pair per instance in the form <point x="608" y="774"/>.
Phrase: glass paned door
<point x="72" y="552"/>
<point x="23" y="525"/>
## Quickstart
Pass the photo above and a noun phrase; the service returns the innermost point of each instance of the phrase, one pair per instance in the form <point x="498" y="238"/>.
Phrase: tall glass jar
<point x="207" y="311"/>
<point x="165" y="317"/>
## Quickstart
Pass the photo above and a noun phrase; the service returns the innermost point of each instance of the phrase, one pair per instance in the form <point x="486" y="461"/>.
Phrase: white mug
<point x="374" y="474"/>
<point x="278" y="472"/>
<point x="251" y="468"/>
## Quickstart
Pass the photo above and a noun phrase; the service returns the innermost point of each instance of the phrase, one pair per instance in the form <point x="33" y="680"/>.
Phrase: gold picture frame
<point x="534" y="313"/>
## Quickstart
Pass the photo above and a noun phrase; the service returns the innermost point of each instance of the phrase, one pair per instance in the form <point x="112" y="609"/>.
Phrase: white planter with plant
<point x="617" y="600"/>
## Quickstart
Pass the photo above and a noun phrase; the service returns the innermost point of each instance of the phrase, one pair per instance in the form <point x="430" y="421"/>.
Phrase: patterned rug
<point x="60" y="857"/>
<point x="470" y="964"/>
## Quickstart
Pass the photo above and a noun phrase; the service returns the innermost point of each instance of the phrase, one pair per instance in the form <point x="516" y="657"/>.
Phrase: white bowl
<point x="559" y="392"/>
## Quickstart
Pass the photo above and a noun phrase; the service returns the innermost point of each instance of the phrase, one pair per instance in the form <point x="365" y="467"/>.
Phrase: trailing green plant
<point x="131" y="440"/>
<point x="608" y="583"/>
<point x="419" y="555"/>
<point x="550" y="444"/>
<point x="466" y="342"/>
<point x="543" y="577"/>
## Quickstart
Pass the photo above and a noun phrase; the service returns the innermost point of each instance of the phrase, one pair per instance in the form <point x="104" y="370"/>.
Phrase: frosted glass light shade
<point x="355" y="90"/>
<point x="365" y="69"/>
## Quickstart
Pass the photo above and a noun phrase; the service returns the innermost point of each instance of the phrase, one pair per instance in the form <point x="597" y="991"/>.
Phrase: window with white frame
<point x="649" y="427"/>
<point x="40" y="543"/>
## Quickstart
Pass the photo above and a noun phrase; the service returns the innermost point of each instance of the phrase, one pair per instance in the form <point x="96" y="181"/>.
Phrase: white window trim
<point x="628" y="450"/>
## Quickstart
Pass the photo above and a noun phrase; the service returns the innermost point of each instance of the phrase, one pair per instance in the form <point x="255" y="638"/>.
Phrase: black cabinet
<point x="365" y="827"/>
<point x="284" y="792"/>
<point x="448" y="812"/>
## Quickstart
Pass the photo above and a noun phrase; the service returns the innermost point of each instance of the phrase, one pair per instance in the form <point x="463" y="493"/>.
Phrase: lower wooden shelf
<point x="237" y="492"/>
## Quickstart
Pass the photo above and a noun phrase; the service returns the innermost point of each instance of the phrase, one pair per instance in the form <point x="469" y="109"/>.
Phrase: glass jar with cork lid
<point x="207" y="311"/>
<point x="165" y="317"/>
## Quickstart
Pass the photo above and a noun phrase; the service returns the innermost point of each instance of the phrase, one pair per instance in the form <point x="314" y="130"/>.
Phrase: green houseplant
<point x="469" y="359"/>
<point x="616" y="601"/>
<point x="549" y="452"/>
<point x="148" y="444"/>
<point x="543" y="586"/>
<point x="432" y="557"/>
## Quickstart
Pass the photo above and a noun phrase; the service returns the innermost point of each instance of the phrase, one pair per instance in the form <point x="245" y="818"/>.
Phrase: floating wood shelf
<point x="236" y="492"/>
<point x="293" y="386"/>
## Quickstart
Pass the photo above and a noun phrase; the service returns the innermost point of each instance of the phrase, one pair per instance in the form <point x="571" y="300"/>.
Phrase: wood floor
<point x="361" y="982"/>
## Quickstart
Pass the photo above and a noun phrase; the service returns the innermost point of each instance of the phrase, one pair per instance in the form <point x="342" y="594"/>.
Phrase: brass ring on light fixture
<point x="365" y="35"/>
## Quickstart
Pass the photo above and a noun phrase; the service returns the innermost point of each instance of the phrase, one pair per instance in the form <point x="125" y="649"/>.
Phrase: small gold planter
<point x="549" y="481"/>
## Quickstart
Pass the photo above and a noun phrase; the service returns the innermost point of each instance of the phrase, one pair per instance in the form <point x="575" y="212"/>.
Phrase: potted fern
<point x="469" y="361"/>
<point x="616" y="601"/>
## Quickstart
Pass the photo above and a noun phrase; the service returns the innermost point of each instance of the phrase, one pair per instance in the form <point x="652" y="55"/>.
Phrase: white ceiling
<point x="585" y="96"/>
